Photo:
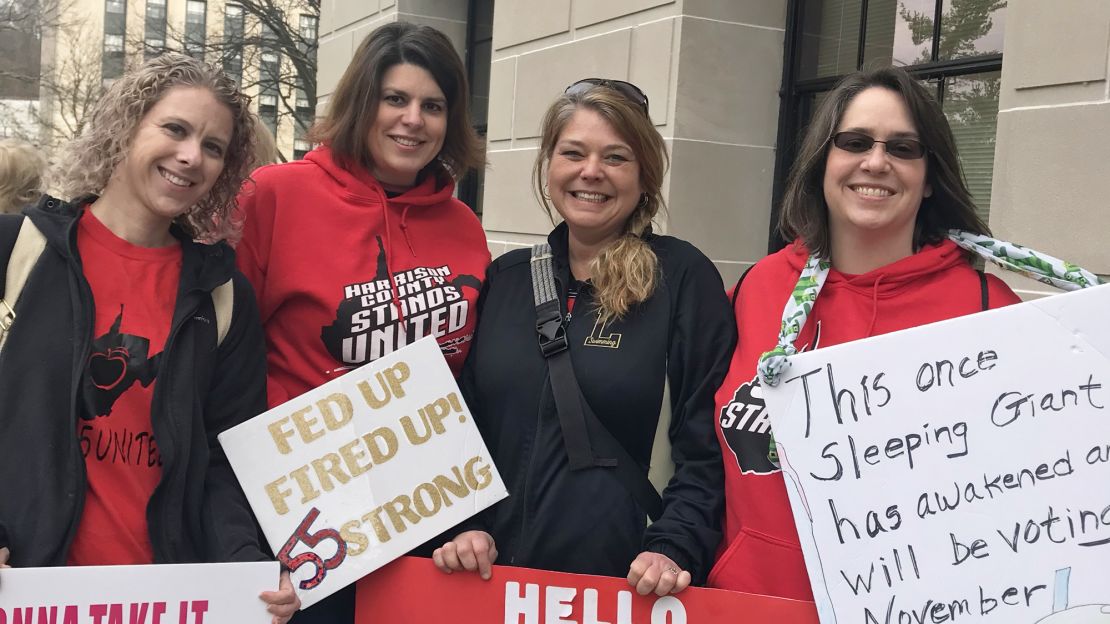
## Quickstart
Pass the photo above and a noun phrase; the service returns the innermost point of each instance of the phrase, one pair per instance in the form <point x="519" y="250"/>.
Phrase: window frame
<point x="796" y="92"/>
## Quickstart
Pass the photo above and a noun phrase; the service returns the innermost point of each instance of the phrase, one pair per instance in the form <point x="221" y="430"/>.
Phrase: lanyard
<point x="1039" y="266"/>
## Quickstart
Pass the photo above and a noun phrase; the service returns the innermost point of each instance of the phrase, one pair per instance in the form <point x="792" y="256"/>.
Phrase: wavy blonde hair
<point x="21" y="174"/>
<point x="624" y="273"/>
<point x="90" y="160"/>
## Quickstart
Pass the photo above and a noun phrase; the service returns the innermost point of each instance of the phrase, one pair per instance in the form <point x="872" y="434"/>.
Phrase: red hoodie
<point x="345" y="274"/>
<point x="760" y="551"/>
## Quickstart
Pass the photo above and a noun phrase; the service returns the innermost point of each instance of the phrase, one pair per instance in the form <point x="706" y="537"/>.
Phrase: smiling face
<point x="176" y="154"/>
<point x="593" y="178"/>
<point x="410" y="125"/>
<point x="874" y="196"/>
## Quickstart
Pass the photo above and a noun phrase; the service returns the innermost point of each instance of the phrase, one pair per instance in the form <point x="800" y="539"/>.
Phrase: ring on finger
<point x="673" y="570"/>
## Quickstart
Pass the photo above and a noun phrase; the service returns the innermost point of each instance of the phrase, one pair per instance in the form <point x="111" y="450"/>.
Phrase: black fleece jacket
<point x="586" y="521"/>
<point x="197" y="512"/>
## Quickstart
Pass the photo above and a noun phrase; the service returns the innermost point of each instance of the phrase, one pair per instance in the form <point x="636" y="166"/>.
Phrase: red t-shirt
<point x="134" y="289"/>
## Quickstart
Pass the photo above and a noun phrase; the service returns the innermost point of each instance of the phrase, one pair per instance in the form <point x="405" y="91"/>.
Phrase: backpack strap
<point x="223" y="300"/>
<point x="984" y="294"/>
<point x="736" y="288"/>
<point x="29" y="245"/>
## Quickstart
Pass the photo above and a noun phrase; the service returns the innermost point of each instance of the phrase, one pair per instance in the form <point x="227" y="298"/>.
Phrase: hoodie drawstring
<point x="388" y="267"/>
<point x="405" y="229"/>
<point x="874" y="305"/>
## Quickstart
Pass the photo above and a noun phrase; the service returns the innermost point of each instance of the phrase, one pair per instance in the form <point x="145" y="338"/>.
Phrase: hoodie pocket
<point x="758" y="563"/>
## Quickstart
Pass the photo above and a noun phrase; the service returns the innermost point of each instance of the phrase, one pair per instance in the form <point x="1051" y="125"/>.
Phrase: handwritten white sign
<point x="363" y="469"/>
<point x="958" y="471"/>
<point x="146" y="594"/>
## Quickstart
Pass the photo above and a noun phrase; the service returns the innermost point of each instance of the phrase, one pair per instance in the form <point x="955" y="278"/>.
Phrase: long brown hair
<point x="353" y="106"/>
<point x="804" y="212"/>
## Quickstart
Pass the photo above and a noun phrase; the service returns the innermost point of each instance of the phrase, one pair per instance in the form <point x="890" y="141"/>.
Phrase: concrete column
<point x="711" y="70"/>
<point x="345" y="23"/>
<point x="1052" y="156"/>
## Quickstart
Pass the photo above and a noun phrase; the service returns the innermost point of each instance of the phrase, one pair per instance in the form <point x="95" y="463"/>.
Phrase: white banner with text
<point x="958" y="471"/>
<point x="139" y="594"/>
<point x="351" y="475"/>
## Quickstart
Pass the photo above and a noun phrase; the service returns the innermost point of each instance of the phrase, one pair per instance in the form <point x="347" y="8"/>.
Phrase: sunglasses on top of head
<point x="627" y="89"/>
<point x="859" y="143"/>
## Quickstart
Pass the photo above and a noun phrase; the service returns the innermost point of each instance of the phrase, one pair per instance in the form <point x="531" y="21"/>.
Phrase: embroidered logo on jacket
<point x="598" y="337"/>
<point x="369" y="324"/>
<point x="746" y="425"/>
<point x="116" y="362"/>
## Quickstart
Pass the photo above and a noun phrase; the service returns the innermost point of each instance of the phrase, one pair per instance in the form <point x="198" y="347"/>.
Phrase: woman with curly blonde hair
<point x="21" y="172"/>
<point x="635" y="313"/>
<point x="135" y="342"/>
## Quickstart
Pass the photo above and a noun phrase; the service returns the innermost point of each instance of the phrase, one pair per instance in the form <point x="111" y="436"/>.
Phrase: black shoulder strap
<point x="736" y="288"/>
<point x="984" y="293"/>
<point x="577" y="420"/>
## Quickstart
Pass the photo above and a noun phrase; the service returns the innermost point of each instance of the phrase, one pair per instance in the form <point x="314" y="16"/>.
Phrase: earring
<point x="644" y="199"/>
<point x="546" y="194"/>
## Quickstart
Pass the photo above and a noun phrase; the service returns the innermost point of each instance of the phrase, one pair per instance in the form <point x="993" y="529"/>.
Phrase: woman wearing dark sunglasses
<point x="639" y="311"/>
<point x="875" y="190"/>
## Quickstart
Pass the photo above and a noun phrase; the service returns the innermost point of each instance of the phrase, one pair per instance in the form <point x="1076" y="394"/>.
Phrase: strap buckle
<point x="551" y="334"/>
<point x="7" y="316"/>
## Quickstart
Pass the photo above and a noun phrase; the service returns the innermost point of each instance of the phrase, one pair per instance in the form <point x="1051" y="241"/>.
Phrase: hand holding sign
<point x="473" y="551"/>
<point x="654" y="572"/>
<point x="283" y="603"/>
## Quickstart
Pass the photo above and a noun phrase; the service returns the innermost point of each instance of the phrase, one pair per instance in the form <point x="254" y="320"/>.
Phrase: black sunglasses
<point x="859" y="143"/>
<point x="627" y="89"/>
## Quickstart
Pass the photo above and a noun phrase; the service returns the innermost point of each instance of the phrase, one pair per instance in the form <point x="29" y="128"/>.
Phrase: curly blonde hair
<point x="90" y="160"/>
<point x="624" y="273"/>
<point x="21" y="171"/>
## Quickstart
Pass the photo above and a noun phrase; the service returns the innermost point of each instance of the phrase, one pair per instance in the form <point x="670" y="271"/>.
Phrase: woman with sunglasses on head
<point x="639" y="312"/>
<point x="874" y="192"/>
<point x="135" y="342"/>
<point x="361" y="248"/>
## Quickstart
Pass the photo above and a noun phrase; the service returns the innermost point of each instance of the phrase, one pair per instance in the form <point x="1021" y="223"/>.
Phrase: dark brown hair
<point x="353" y="106"/>
<point x="804" y="212"/>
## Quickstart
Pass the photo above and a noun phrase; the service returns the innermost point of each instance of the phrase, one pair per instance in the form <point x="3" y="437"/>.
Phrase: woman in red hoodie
<point x="875" y="190"/>
<point x="361" y="248"/>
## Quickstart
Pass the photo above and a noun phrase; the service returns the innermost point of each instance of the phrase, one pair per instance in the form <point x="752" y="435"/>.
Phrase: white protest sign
<point x="361" y="470"/>
<point x="958" y="471"/>
<point x="140" y="594"/>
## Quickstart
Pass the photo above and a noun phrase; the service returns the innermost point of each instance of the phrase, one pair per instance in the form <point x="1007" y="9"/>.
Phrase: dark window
<point x="269" y="79"/>
<point x="309" y="31"/>
<point x="154" y="35"/>
<point x="479" y="50"/>
<point x="115" y="27"/>
<point x="233" y="38"/>
<point x="196" y="21"/>
<point x="953" y="46"/>
<point x="267" y="108"/>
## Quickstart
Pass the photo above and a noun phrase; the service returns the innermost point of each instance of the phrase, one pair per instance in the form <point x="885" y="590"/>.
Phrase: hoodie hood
<point x="872" y="289"/>
<point x="360" y="186"/>
<point x="888" y="280"/>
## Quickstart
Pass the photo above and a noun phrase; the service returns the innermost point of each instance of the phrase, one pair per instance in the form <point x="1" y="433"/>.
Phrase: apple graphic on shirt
<point x="116" y="361"/>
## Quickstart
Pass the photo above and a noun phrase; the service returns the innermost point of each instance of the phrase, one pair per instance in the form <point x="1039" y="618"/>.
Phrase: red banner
<point x="411" y="591"/>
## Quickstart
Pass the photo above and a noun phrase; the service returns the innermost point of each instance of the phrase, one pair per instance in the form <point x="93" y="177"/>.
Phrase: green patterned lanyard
<point x="1039" y="266"/>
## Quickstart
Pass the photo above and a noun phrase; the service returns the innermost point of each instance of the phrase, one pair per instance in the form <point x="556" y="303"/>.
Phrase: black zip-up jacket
<point x="586" y="521"/>
<point x="197" y="512"/>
